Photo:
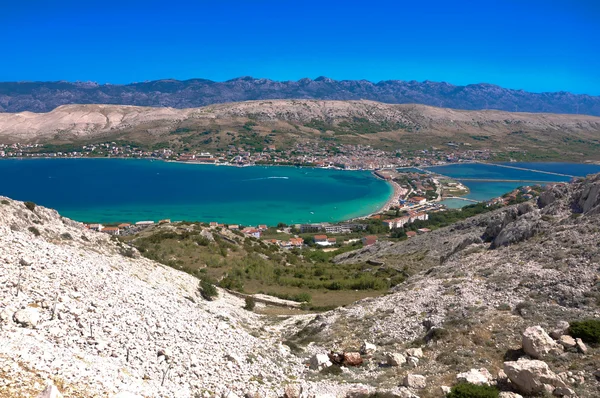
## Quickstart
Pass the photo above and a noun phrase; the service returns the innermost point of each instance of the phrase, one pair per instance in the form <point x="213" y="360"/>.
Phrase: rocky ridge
<point x="45" y="96"/>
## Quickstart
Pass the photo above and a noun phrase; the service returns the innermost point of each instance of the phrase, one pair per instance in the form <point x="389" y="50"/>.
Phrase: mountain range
<point x="45" y="96"/>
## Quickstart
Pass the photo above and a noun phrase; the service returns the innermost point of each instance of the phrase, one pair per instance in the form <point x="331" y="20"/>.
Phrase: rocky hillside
<point x="45" y="96"/>
<point x="477" y="293"/>
<point x="282" y="122"/>
<point x="91" y="316"/>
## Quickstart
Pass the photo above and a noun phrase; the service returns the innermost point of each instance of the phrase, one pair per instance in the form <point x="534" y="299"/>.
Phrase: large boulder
<point x="475" y="376"/>
<point x="520" y="230"/>
<point x="532" y="377"/>
<point x="414" y="381"/>
<point x="395" y="359"/>
<point x="567" y="341"/>
<point x="537" y="343"/>
<point x="28" y="317"/>
<point x="563" y="392"/>
<point x="581" y="346"/>
<point x="588" y="200"/>
<point x="352" y="359"/>
<point x="415" y="352"/>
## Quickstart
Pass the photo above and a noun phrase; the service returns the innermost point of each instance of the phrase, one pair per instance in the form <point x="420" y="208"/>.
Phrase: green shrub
<point x="587" y="330"/>
<point x="250" y="303"/>
<point x="208" y="291"/>
<point x="303" y="298"/>
<point x="30" y="205"/>
<point x="34" y="231"/>
<point x="232" y="282"/>
<point x="127" y="251"/>
<point x="468" y="390"/>
<point x="5" y="202"/>
<point x="66" y="236"/>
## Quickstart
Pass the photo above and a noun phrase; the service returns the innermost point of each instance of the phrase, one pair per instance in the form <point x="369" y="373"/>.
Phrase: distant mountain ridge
<point x="45" y="96"/>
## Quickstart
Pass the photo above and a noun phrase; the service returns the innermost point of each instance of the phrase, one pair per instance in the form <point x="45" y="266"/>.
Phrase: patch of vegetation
<point x="5" y="202"/>
<point x="360" y="125"/>
<point x="66" y="236"/>
<point x="250" y="303"/>
<point x="30" y="205"/>
<point x="208" y="291"/>
<point x="468" y="390"/>
<point x="34" y="231"/>
<point x="127" y="251"/>
<point x="181" y="130"/>
<point x="319" y="125"/>
<point x="251" y="265"/>
<point x="300" y="297"/>
<point x="587" y="330"/>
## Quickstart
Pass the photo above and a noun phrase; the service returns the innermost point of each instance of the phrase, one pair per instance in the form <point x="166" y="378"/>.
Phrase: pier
<point x="524" y="169"/>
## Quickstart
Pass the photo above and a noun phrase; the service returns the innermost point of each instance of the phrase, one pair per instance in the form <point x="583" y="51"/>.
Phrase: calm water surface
<point x="122" y="190"/>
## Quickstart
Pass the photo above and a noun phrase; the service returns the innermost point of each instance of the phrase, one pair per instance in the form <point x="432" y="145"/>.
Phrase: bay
<point x="485" y="190"/>
<point x="130" y="190"/>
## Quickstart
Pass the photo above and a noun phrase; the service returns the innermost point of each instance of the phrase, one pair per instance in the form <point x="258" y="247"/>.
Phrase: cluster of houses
<point x="342" y="228"/>
<point x="400" y="222"/>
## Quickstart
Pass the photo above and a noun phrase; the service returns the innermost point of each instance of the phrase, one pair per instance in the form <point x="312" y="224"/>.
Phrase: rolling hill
<point x="284" y="122"/>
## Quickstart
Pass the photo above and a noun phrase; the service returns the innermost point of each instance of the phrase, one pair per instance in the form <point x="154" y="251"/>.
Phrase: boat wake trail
<point x="268" y="178"/>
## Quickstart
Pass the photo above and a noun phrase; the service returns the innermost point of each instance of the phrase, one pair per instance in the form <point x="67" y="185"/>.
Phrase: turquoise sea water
<point x="485" y="190"/>
<point x="123" y="190"/>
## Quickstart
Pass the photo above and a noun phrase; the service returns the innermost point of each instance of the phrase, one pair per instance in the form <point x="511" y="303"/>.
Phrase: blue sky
<point x="533" y="45"/>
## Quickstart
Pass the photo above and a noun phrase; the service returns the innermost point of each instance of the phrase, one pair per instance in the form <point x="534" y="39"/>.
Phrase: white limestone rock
<point x="319" y="362"/>
<point x="415" y="352"/>
<point x="567" y="341"/>
<point x="581" y="346"/>
<point x="417" y="382"/>
<point x="475" y="376"/>
<point x="537" y="343"/>
<point x="531" y="376"/>
<point x="395" y="359"/>
<point x="28" y="317"/>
